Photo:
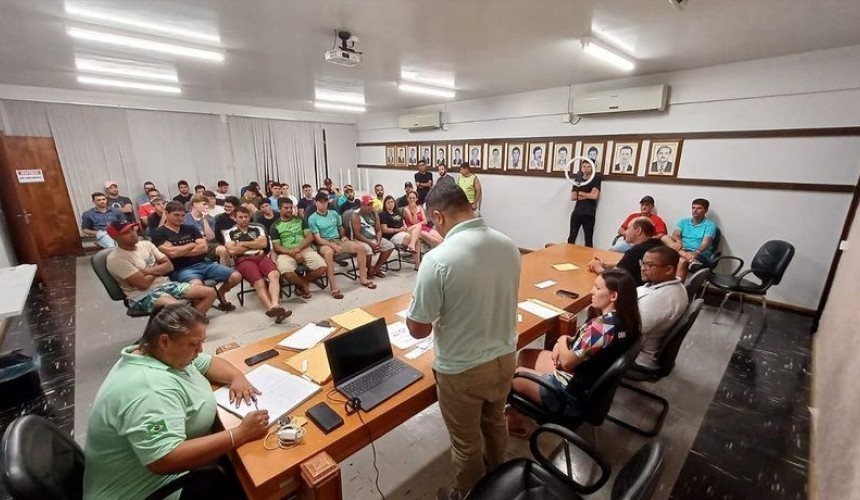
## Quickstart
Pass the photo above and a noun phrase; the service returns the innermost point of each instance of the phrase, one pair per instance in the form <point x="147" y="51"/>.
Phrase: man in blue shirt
<point x="95" y="220"/>
<point x="693" y="238"/>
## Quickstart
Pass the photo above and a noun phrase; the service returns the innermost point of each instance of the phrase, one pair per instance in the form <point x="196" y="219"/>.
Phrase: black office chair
<point x="524" y="479"/>
<point x="41" y="462"/>
<point x="696" y="283"/>
<point x="99" y="263"/>
<point x="768" y="266"/>
<point x="598" y="400"/>
<point x="667" y="353"/>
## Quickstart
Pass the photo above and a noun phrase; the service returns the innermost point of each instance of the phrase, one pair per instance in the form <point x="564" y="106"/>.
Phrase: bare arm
<point x="419" y="330"/>
<point x="173" y="252"/>
<point x="567" y="360"/>
<point x="356" y="231"/>
<point x="306" y="242"/>
<point x="208" y="233"/>
<point x="259" y="243"/>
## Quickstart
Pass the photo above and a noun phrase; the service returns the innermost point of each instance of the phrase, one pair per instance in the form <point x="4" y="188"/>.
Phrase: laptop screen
<point x="357" y="350"/>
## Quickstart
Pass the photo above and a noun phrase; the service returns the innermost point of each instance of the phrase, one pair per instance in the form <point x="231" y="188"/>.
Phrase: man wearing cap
<point x="646" y="209"/>
<point x="402" y="201"/>
<point x="327" y="228"/>
<point x="121" y="203"/>
<point x="94" y="221"/>
<point x="141" y="269"/>
<point x="186" y="248"/>
<point x="367" y="232"/>
<point x="640" y="236"/>
<point x="347" y="200"/>
<point x="291" y="240"/>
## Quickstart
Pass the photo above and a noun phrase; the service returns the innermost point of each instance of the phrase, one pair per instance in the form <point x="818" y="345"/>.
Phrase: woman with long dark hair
<point x="395" y="229"/>
<point x="576" y="362"/>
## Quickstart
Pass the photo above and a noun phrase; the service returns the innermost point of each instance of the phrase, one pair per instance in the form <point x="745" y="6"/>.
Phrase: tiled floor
<point x="737" y="427"/>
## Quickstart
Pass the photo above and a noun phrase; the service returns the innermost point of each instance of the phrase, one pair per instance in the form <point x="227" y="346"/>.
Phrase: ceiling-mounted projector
<point x="345" y="55"/>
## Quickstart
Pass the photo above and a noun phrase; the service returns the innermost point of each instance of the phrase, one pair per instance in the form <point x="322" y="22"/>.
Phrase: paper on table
<point x="399" y="335"/>
<point x="353" y="319"/>
<point x="538" y="310"/>
<point x="306" y="337"/>
<point x="422" y="347"/>
<point x="567" y="266"/>
<point x="281" y="392"/>
<point x="403" y="313"/>
<point x="545" y="284"/>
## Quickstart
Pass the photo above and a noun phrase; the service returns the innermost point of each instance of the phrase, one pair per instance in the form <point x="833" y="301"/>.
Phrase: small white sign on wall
<point x="30" y="176"/>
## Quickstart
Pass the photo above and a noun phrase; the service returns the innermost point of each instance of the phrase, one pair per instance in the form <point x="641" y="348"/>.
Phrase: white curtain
<point x="276" y="150"/>
<point x="342" y="156"/>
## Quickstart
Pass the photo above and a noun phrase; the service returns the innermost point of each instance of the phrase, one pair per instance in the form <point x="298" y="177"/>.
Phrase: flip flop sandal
<point x="304" y="294"/>
<point x="370" y="285"/>
<point x="337" y="294"/>
<point x="224" y="306"/>
<point x="275" y="312"/>
<point x="281" y="317"/>
<point x="379" y="274"/>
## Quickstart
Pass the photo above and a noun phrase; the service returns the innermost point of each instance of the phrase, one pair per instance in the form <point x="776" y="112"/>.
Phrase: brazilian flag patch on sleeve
<point x="156" y="428"/>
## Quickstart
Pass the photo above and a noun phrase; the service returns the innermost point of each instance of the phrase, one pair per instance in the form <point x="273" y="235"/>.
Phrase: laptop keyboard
<point x="371" y="379"/>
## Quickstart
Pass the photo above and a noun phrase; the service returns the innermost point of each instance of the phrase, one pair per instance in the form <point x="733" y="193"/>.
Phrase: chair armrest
<point x="570" y="437"/>
<point x="740" y="262"/>
<point x="546" y="385"/>
<point x="177" y="484"/>
<point x="765" y="283"/>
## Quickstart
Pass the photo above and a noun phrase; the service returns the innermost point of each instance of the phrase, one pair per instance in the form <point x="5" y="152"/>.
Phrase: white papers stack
<point x="399" y="335"/>
<point x="281" y="392"/>
<point x="306" y="337"/>
<point x="423" y="346"/>
<point x="545" y="284"/>
<point x="538" y="310"/>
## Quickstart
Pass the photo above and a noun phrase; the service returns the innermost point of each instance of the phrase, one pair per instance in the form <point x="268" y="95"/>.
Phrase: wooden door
<point x="40" y="211"/>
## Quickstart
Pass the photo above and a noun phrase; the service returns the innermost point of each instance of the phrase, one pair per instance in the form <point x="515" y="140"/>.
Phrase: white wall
<point x="817" y="89"/>
<point x="7" y="253"/>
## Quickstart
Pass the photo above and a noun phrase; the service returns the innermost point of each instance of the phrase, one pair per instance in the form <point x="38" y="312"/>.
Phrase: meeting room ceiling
<point x="273" y="49"/>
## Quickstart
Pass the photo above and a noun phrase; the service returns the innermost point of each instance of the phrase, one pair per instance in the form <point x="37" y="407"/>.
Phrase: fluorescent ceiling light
<point x="606" y="54"/>
<point x="436" y="79"/>
<point x="119" y="20"/>
<point x="335" y="96"/>
<point x="110" y="82"/>
<point x="339" y="107"/>
<point x="144" y="44"/>
<point x="421" y="89"/>
<point x="129" y="69"/>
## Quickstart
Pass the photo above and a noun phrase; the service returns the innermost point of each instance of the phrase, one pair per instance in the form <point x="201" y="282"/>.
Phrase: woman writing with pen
<point x="152" y="418"/>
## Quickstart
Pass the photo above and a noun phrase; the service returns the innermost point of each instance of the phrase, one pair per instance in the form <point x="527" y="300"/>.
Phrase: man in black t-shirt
<point x="585" y="209"/>
<point x="306" y="205"/>
<point x="186" y="248"/>
<point x="640" y="234"/>
<point x="423" y="181"/>
<point x="185" y="194"/>
<point x="157" y="218"/>
<point x="226" y="220"/>
<point x="121" y="203"/>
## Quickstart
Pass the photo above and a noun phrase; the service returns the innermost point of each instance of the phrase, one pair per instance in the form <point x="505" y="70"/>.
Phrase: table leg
<point x="321" y="478"/>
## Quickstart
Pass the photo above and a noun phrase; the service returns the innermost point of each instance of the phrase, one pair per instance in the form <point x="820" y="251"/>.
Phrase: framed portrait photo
<point x="411" y="156"/>
<point x="514" y="158"/>
<point x="389" y="156"/>
<point x="594" y="151"/>
<point x="456" y="153"/>
<point x="495" y="156"/>
<point x="425" y="152"/>
<point x="562" y="152"/>
<point x="625" y="158"/>
<point x="665" y="157"/>
<point x="440" y="154"/>
<point x="400" y="159"/>
<point x="475" y="155"/>
<point x="537" y="156"/>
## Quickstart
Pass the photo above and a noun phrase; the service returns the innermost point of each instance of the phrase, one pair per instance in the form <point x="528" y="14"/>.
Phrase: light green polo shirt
<point x="143" y="411"/>
<point x="467" y="288"/>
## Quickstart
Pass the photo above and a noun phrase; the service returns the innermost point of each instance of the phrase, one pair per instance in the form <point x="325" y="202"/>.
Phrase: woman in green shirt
<point x="152" y="418"/>
<point x="470" y="185"/>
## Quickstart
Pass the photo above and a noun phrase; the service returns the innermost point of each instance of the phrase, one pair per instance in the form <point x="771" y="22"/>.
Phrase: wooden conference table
<point x="276" y="474"/>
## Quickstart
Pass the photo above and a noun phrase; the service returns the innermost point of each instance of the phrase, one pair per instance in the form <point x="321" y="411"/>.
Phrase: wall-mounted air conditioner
<point x="651" y="98"/>
<point x="421" y="121"/>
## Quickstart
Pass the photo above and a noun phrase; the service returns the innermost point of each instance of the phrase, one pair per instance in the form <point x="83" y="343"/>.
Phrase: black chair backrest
<point x="668" y="351"/>
<point x="99" y="263"/>
<point x="40" y="461"/>
<point x="639" y="477"/>
<point x="718" y="238"/>
<point x="773" y="258"/>
<point x="696" y="281"/>
<point x="601" y="394"/>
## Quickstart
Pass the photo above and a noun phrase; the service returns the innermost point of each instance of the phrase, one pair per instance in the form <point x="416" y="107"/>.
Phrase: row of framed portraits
<point x="613" y="157"/>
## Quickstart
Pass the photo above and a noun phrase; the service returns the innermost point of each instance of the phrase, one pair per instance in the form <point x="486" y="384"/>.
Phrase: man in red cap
<point x="367" y="233"/>
<point x="141" y="271"/>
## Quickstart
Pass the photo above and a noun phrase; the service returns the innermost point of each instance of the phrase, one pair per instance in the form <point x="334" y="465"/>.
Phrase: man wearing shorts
<point x="327" y="228"/>
<point x="141" y="271"/>
<point x="291" y="239"/>
<point x="186" y="248"/>
<point x="367" y="233"/>
<point x="249" y="246"/>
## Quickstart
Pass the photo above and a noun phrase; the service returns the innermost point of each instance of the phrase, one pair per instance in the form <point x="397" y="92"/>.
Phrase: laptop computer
<point x="363" y="365"/>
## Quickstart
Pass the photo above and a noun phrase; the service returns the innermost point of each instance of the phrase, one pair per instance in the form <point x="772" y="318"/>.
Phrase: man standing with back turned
<point x="473" y="315"/>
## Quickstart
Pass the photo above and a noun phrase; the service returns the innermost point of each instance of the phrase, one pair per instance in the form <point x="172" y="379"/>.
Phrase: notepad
<point x="539" y="308"/>
<point x="567" y="266"/>
<point x="353" y="319"/>
<point x="399" y="335"/>
<point x="281" y="391"/>
<point x="306" y="337"/>
<point x="545" y="284"/>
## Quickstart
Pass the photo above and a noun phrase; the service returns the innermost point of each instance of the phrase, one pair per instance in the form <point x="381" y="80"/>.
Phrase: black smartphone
<point x="567" y="293"/>
<point x="259" y="358"/>
<point x="324" y="417"/>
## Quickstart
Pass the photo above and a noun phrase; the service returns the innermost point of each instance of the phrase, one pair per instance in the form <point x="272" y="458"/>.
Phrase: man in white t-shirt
<point x="141" y="271"/>
<point x="662" y="300"/>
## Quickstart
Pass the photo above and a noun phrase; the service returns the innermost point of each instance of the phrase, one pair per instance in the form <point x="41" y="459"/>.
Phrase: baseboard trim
<point x="713" y="297"/>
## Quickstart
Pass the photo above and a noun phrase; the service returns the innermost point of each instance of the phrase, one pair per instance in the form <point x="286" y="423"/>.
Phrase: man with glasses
<point x="186" y="248"/>
<point x="640" y="236"/>
<point x="662" y="300"/>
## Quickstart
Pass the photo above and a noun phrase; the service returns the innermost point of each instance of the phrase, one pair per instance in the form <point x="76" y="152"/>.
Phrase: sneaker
<point x="448" y="493"/>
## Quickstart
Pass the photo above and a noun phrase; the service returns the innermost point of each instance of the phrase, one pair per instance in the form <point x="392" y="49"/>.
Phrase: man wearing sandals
<point x="291" y="240"/>
<point x="327" y="228"/>
<point x="367" y="232"/>
<point x="186" y="248"/>
<point x="248" y="244"/>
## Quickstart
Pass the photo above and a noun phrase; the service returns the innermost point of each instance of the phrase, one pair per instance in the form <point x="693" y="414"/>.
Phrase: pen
<point x="254" y="399"/>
